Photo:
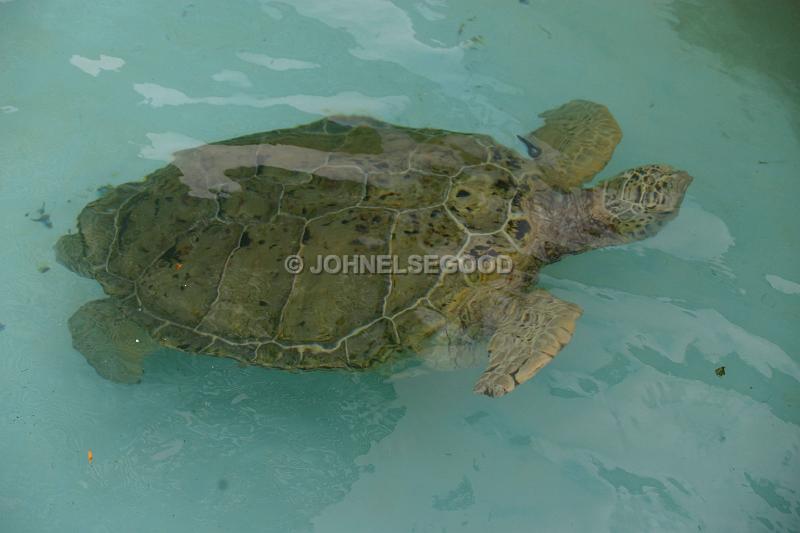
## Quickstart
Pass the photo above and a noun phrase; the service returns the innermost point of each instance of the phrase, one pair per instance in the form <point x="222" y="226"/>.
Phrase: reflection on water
<point x="297" y="435"/>
<point x="205" y="443"/>
<point x="748" y="36"/>
<point x="630" y="429"/>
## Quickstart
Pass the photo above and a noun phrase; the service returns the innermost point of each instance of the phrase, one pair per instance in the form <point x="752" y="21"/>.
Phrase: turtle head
<point x="638" y="202"/>
<point x="630" y="206"/>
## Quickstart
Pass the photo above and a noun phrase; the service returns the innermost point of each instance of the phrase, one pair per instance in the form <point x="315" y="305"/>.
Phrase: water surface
<point x="629" y="429"/>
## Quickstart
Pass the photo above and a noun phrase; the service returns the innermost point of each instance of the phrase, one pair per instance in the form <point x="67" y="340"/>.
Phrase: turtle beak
<point x="678" y="184"/>
<point x="682" y="180"/>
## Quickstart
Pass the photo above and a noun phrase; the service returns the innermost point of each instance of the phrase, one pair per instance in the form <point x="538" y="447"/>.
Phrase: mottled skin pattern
<point x="193" y="256"/>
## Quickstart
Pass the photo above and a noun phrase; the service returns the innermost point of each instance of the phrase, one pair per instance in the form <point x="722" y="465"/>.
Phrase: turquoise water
<point x="630" y="429"/>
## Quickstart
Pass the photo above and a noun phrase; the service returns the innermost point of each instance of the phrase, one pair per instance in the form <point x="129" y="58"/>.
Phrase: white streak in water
<point x="783" y="285"/>
<point x="668" y="329"/>
<point x="164" y="145"/>
<point x="234" y="77"/>
<point x="349" y="102"/>
<point x="94" y="67"/>
<point x="275" y="63"/>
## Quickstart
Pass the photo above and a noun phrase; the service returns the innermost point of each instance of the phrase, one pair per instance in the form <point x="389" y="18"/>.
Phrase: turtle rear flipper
<point x="113" y="344"/>
<point x="71" y="253"/>
<point x="531" y="330"/>
<point x="575" y="142"/>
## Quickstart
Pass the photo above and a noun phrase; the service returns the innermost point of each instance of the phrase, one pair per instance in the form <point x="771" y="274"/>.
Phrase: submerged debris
<point x="42" y="217"/>
<point x="473" y="42"/>
<point x="720" y="371"/>
<point x="549" y="34"/>
<point x="464" y="24"/>
<point x="43" y="268"/>
<point x="2" y="326"/>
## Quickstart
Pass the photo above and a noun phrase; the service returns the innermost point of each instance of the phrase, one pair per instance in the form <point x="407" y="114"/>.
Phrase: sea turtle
<point x="194" y="257"/>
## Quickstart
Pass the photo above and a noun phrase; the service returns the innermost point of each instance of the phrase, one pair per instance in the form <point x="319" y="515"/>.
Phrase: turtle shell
<point x="198" y="249"/>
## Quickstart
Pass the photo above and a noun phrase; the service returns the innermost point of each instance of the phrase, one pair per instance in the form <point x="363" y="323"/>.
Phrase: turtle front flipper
<point x="113" y="344"/>
<point x="531" y="329"/>
<point x="574" y="144"/>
